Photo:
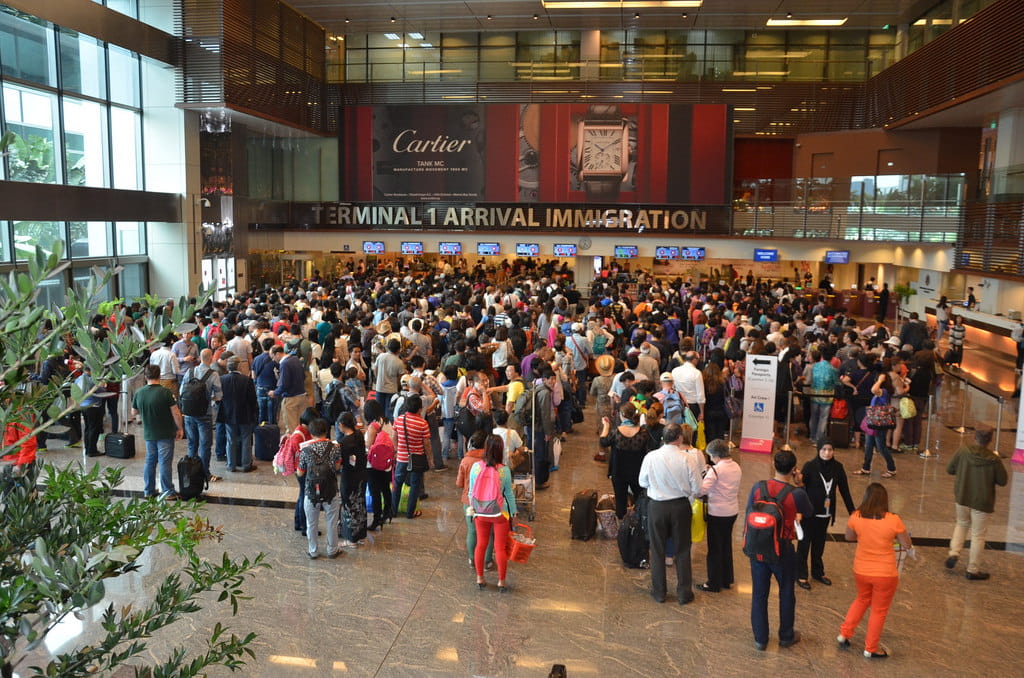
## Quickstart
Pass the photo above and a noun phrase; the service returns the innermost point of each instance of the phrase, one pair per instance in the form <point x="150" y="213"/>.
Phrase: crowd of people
<point x="382" y="375"/>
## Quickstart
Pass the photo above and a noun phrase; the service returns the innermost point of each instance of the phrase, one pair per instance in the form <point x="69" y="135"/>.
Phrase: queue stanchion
<point x="732" y="445"/>
<point x="789" y="421"/>
<point x="999" y="421"/>
<point x="962" y="428"/>
<point x="927" y="453"/>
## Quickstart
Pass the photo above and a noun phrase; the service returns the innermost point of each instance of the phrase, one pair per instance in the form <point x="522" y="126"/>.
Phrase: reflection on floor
<point x="405" y="603"/>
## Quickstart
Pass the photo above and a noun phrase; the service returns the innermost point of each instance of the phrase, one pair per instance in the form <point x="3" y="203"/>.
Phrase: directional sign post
<point x="759" y="404"/>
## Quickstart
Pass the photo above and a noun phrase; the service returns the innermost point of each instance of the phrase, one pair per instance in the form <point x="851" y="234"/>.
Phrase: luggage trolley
<point x="524" y="481"/>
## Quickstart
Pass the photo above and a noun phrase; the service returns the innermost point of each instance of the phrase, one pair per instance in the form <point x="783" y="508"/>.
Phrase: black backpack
<point x="321" y="483"/>
<point x="762" y="530"/>
<point x="191" y="478"/>
<point x="194" y="400"/>
<point x="336" y="402"/>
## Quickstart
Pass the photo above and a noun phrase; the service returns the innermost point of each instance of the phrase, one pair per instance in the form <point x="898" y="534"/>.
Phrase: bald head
<point x="206" y="355"/>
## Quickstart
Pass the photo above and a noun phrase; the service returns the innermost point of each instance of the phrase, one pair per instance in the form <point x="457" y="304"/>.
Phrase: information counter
<point x="983" y="329"/>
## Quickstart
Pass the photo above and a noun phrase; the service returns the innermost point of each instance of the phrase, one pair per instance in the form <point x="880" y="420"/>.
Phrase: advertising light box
<point x="837" y="257"/>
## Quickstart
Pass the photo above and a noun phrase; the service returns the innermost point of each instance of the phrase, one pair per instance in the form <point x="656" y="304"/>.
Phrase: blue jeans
<point x="300" y="504"/>
<point x="541" y="460"/>
<point x="162" y="451"/>
<point x="222" y="441"/>
<point x="877" y="441"/>
<point x="240" y="445"/>
<point x="200" y="439"/>
<point x="818" y="425"/>
<point x="785" y="574"/>
<point x="447" y="437"/>
<point x="267" y="406"/>
<point x="414" y="479"/>
<point x="564" y="413"/>
<point x="385" y="403"/>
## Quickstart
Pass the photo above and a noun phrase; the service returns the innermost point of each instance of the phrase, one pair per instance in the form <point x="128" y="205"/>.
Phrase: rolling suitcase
<point x="583" y="515"/>
<point x="839" y="433"/>
<point x="191" y="477"/>
<point x="119" y="445"/>
<point x="268" y="440"/>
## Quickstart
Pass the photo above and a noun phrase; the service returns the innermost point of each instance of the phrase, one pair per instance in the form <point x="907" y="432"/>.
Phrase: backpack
<point x="523" y="409"/>
<point x="381" y="454"/>
<point x="398" y="404"/>
<point x="334" y="402"/>
<point x="321" y="483"/>
<point x="762" y="531"/>
<point x="486" y="498"/>
<point x="449" y="398"/>
<point x="191" y="478"/>
<point x="194" y="400"/>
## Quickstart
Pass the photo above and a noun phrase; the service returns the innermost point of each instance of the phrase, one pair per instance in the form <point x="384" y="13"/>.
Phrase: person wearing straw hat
<point x="599" y="389"/>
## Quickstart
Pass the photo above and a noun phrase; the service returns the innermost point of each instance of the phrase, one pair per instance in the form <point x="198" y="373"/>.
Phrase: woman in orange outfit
<point x="874" y="567"/>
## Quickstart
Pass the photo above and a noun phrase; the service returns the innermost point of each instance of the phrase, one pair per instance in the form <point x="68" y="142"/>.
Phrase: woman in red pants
<point x="874" y="567"/>
<point x="494" y="504"/>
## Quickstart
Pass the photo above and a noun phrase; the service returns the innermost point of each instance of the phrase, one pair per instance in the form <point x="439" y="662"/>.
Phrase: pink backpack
<point x="381" y="454"/>
<point x="486" y="498"/>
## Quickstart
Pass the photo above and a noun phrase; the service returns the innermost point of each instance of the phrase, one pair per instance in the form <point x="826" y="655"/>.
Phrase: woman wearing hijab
<point x="823" y="476"/>
<point x="353" y="481"/>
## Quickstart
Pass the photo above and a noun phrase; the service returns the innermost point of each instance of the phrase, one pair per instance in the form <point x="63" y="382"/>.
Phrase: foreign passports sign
<point x="759" y="404"/>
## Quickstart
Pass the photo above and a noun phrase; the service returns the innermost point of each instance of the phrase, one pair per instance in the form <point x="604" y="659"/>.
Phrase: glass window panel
<point x="51" y="292"/>
<point x="27" y="47"/>
<point x="132" y="281"/>
<point x="384" y="72"/>
<point x="90" y="239"/>
<point x="846" y="63"/>
<point x="126" y="147"/>
<point x="131" y="237"/>
<point x="124" y="76"/>
<point x="387" y="56"/>
<point x="498" y="39"/>
<point x="5" y="246"/>
<point x="459" y="40"/>
<point x="80" y="278"/>
<point x="422" y="55"/>
<point x="882" y="38"/>
<point x="32" y="116"/>
<point x="763" y="39"/>
<point x="83" y="67"/>
<point x="807" y="38"/>
<point x="381" y="40"/>
<point x="355" y="56"/>
<point x="85" y="138"/>
<point x="28" y="234"/>
<point x="129" y="7"/>
<point x="355" y="72"/>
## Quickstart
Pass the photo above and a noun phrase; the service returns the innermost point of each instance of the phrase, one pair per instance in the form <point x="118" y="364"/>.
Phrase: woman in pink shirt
<point x="721" y="486"/>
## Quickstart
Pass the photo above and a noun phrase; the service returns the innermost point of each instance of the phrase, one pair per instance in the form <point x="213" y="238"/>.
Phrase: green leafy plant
<point x="904" y="292"/>
<point x="65" y="530"/>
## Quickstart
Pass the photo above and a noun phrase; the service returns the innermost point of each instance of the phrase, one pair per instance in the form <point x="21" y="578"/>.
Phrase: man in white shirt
<point x="690" y="384"/>
<point x="672" y="477"/>
<point x="240" y="346"/>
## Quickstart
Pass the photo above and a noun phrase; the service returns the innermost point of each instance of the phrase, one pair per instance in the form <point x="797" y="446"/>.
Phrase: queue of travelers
<point x="385" y="376"/>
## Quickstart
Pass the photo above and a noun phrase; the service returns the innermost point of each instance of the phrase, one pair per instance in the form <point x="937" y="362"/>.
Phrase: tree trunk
<point x="6" y="670"/>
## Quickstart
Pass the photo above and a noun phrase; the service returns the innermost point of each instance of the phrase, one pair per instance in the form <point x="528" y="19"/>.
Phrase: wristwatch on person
<point x="602" y="152"/>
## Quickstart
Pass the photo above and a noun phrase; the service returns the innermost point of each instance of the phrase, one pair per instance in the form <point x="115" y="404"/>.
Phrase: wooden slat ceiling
<point x="370" y="16"/>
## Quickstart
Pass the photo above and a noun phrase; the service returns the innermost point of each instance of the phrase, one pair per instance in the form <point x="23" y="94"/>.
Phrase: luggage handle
<point x="529" y="530"/>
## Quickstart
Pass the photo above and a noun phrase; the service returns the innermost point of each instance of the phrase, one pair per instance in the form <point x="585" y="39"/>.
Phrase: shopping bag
<point x="702" y="441"/>
<point x="698" y="525"/>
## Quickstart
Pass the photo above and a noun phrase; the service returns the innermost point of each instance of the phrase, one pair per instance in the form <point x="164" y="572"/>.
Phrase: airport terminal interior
<point x="233" y="145"/>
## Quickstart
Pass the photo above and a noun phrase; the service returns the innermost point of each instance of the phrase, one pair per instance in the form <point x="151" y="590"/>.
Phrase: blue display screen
<point x="766" y="255"/>
<point x="488" y="249"/>
<point x="626" y="252"/>
<point x="451" y="249"/>
<point x="373" y="247"/>
<point x="412" y="248"/>
<point x="666" y="252"/>
<point x="565" y="250"/>
<point x="837" y="257"/>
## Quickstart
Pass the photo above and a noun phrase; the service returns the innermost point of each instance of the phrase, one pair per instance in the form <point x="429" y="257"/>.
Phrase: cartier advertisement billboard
<point x="601" y="153"/>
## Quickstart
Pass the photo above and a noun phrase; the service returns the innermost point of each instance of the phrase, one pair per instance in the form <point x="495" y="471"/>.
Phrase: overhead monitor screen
<point x="527" y="249"/>
<point x="626" y="252"/>
<point x="415" y="248"/>
<point x="451" y="249"/>
<point x="692" y="253"/>
<point x="766" y="255"/>
<point x="666" y="252"/>
<point x="565" y="250"/>
<point x="373" y="247"/>
<point x="837" y="257"/>
<point x="488" y="249"/>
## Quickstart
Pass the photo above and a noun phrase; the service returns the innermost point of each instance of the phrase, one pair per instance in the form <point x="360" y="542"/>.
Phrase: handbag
<point x="840" y="409"/>
<point x="689" y="418"/>
<point x="698" y="522"/>
<point x="702" y="440"/>
<point x="908" y="410"/>
<point x="577" y="412"/>
<point x="733" y="407"/>
<point x="880" y="414"/>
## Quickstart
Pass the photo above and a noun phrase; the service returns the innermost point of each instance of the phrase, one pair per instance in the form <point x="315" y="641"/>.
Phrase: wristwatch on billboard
<point x="602" y="149"/>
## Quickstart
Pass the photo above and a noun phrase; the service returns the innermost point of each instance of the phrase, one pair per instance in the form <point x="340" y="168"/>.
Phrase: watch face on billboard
<point x="450" y="249"/>
<point x="565" y="250"/>
<point x="692" y="253"/>
<point x="488" y="249"/>
<point x="766" y="255"/>
<point x="666" y="252"/>
<point x="626" y="252"/>
<point x="373" y="247"/>
<point x="527" y="249"/>
<point x="414" y="248"/>
<point x="837" y="257"/>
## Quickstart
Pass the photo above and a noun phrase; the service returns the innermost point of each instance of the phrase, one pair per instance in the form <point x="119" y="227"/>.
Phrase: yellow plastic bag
<point x="702" y="441"/>
<point x="698" y="526"/>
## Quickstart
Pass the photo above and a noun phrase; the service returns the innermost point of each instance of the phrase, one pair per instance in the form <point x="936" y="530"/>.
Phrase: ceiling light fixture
<point x="685" y="15"/>
<point x="783" y="23"/>
<point x="392" y="36"/>
<point x="738" y="89"/>
<point x="744" y="109"/>
<point x="618" y="4"/>
<point x="535" y="17"/>
<point x="393" y="19"/>
<point x="789" y="15"/>
<point x="416" y="36"/>
<point x="490" y="18"/>
<point x="347" y="20"/>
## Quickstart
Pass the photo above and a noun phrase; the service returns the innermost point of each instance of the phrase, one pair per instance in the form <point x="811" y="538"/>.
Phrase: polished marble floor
<point x="405" y="603"/>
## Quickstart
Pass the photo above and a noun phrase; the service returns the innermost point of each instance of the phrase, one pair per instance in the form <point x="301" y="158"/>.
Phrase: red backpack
<point x="381" y="454"/>
<point x="762" y="532"/>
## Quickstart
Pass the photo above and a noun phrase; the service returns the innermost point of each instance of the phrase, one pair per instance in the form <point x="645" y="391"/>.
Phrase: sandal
<point x="417" y="514"/>
<point x="861" y="472"/>
<point x="889" y="474"/>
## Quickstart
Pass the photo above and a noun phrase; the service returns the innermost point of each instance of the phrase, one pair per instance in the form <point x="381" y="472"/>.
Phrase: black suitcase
<point x="268" y="439"/>
<point x="583" y="515"/>
<point x="119" y="445"/>
<point x="839" y="433"/>
<point x="634" y="548"/>
<point x="191" y="477"/>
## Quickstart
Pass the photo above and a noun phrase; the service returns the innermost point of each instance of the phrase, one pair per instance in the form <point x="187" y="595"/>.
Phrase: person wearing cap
<point x="291" y="387"/>
<point x="238" y="412"/>
<point x="581" y="351"/>
<point x="671" y="402"/>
